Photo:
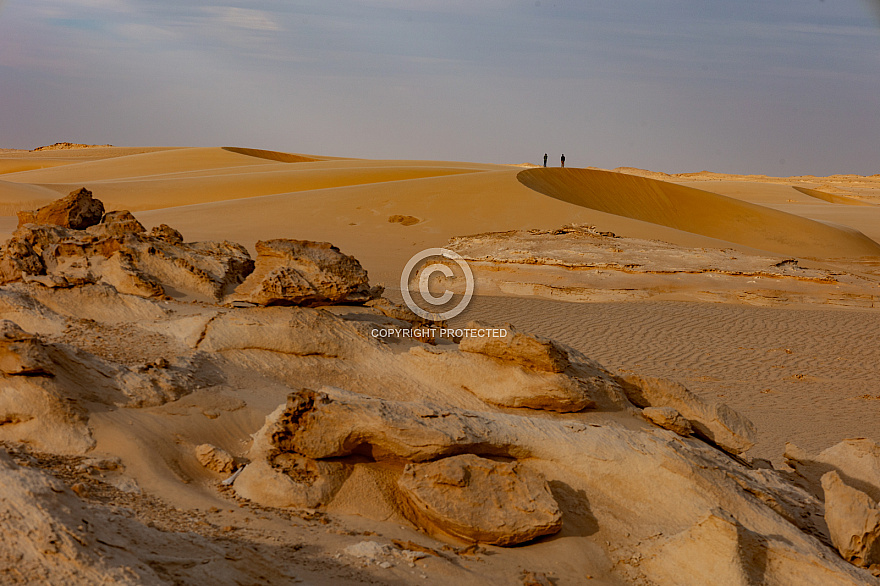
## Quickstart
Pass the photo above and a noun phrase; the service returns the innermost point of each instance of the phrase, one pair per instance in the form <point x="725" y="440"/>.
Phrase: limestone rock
<point x="400" y="312"/>
<point x="301" y="272"/>
<point x="715" y="422"/>
<point x="118" y="252"/>
<point x="215" y="459"/>
<point x="526" y="349"/>
<point x="718" y="549"/>
<point x="481" y="500"/>
<point x="507" y="384"/>
<point x="650" y="485"/>
<point x="50" y="536"/>
<point x="78" y="210"/>
<point x="116" y="223"/>
<point x="166" y="233"/>
<point x="22" y="353"/>
<point x="853" y="520"/>
<point x="279" y="478"/>
<point x="668" y="418"/>
<point x="287" y="330"/>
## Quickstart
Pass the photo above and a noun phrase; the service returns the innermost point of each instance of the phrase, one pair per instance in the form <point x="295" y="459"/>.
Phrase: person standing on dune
<point x="545" y="159"/>
<point x="563" y="160"/>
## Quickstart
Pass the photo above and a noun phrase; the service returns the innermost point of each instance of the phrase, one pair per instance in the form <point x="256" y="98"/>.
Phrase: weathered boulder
<point x="646" y="485"/>
<point x="78" y="210"/>
<point x="117" y="251"/>
<point x="22" y="353"/>
<point x="283" y="478"/>
<point x="853" y="520"/>
<point x="528" y="350"/>
<point x="215" y="459"/>
<point x="166" y="233"/>
<point x="668" y="418"/>
<point x="301" y="272"/>
<point x="507" y="384"/>
<point x="857" y="461"/>
<point x="477" y="499"/>
<point x="715" y="422"/>
<point x="118" y="223"/>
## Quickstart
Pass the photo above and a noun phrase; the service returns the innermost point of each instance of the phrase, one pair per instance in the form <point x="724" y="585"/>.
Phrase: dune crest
<point x="699" y="212"/>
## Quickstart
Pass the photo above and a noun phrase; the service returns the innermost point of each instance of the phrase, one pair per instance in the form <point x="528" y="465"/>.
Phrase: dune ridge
<point x="830" y="197"/>
<point x="700" y="212"/>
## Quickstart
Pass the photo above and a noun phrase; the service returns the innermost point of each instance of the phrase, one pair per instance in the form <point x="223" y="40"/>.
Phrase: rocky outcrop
<point x="285" y="478"/>
<point x="857" y="461"/>
<point x="215" y="459"/>
<point x="682" y="505"/>
<point x="528" y="350"/>
<point x="22" y="353"/>
<point x="853" y="520"/>
<point x="668" y="418"/>
<point x="715" y="422"/>
<point x="78" y="211"/>
<point x="117" y="251"/>
<point x="49" y="533"/>
<point x="46" y="389"/>
<point x="301" y="272"/>
<point x="507" y="384"/>
<point x="478" y="499"/>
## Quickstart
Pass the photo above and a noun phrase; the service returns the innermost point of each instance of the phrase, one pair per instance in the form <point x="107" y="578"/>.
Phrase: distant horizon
<point x="774" y="88"/>
<point x="538" y="164"/>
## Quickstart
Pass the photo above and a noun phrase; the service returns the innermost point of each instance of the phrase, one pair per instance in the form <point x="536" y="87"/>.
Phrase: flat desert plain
<point x="687" y="392"/>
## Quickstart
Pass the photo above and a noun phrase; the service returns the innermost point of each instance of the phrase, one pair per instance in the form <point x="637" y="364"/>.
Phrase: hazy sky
<point x="751" y="86"/>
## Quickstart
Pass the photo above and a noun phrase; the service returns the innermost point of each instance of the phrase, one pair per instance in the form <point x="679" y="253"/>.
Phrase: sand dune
<point x="127" y="319"/>
<point x="701" y="212"/>
<point x="147" y="164"/>
<point x="21" y="196"/>
<point x="831" y="197"/>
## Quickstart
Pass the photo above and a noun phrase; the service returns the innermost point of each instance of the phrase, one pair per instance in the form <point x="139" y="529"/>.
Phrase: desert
<point x="204" y="377"/>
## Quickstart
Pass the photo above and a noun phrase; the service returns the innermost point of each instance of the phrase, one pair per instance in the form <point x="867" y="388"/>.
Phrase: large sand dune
<point x="698" y="211"/>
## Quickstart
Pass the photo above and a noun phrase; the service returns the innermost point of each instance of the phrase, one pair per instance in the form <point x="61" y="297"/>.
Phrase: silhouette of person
<point x="545" y="159"/>
<point x="563" y="160"/>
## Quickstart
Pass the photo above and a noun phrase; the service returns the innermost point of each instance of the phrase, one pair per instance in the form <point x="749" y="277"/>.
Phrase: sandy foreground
<point x="761" y="293"/>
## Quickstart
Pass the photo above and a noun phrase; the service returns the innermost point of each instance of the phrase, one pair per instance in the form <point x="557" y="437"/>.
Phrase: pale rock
<point x="480" y="500"/>
<point x="301" y="272"/>
<point x="22" y="353"/>
<point x="715" y="422"/>
<point x="718" y="549"/>
<point x="48" y="532"/>
<point x="668" y="418"/>
<point x="118" y="223"/>
<point x="278" y="478"/>
<point x="506" y="384"/>
<point x="648" y="483"/>
<point x="288" y="330"/>
<point x="528" y="350"/>
<point x="215" y="459"/>
<point x="853" y="520"/>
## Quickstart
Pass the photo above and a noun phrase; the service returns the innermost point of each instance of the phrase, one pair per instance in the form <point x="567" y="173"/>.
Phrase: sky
<point x="776" y="87"/>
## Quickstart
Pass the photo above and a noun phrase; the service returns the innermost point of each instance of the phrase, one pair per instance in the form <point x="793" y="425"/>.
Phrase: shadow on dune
<point x="271" y="155"/>
<point x="830" y="197"/>
<point x="699" y="212"/>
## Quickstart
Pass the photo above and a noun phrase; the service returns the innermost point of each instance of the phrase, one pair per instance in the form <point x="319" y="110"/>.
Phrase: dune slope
<point x="700" y="212"/>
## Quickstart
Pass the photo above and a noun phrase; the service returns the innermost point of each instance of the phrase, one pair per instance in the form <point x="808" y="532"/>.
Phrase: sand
<point x="802" y="367"/>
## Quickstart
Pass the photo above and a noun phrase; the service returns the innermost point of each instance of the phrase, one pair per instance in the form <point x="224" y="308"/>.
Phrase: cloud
<point x="243" y="18"/>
